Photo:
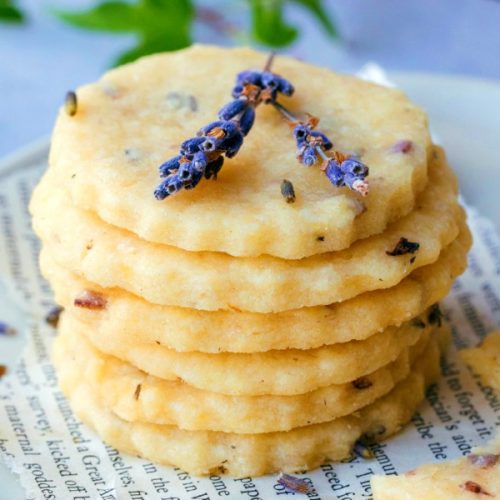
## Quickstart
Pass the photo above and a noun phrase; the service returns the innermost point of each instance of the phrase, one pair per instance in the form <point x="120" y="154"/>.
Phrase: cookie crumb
<point x="90" y="300"/>
<point x="293" y="483"/>
<point x="404" y="146"/>
<point x="403" y="246"/>
<point x="418" y="323"/>
<point x="435" y="316"/>
<point x="6" y="329"/>
<point x="362" y="450"/>
<point x="483" y="461"/>
<point x="287" y="191"/>
<point x="52" y="317"/>
<point x="137" y="391"/>
<point x="362" y="383"/>
<point x="473" y="487"/>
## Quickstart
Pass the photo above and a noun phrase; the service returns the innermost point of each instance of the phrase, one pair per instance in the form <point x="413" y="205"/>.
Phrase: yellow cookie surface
<point x="284" y="372"/>
<point x="136" y="116"/>
<point x="202" y="452"/>
<point x="161" y="274"/>
<point x="477" y="476"/>
<point x="135" y="396"/>
<point x="185" y="329"/>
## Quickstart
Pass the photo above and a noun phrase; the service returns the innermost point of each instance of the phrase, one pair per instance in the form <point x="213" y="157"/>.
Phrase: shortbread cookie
<point x="476" y="476"/>
<point x="202" y="452"/>
<point x="224" y="331"/>
<point x="136" y="117"/>
<point x="284" y="372"/>
<point x="111" y="257"/>
<point x="485" y="359"/>
<point x="135" y="396"/>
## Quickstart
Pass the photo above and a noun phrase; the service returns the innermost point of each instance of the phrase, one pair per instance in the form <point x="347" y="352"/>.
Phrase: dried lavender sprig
<point x="340" y="169"/>
<point x="203" y="155"/>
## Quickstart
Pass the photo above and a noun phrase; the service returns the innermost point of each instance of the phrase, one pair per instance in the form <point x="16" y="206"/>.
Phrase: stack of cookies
<point x="225" y="328"/>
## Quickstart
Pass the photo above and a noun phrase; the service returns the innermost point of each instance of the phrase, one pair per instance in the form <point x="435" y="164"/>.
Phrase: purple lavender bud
<point x="233" y="108"/>
<point x="214" y="167"/>
<point x="325" y="142"/>
<point x="246" y="120"/>
<point x="191" y="146"/>
<point x="301" y="133"/>
<point x="230" y="128"/>
<point x="160" y="193"/>
<point x="230" y="141"/>
<point x="354" y="167"/>
<point x="308" y="155"/>
<point x="169" y="186"/>
<point x="174" y="184"/>
<point x="210" y="144"/>
<point x="185" y="171"/>
<point x="237" y="90"/>
<point x="270" y="80"/>
<point x="208" y="128"/>
<point x="285" y="87"/>
<point x="199" y="161"/>
<point x="334" y="173"/>
<point x="170" y="165"/>
<point x="249" y="76"/>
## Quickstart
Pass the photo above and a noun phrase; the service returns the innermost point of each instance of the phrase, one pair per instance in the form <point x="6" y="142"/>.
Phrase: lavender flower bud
<point x="169" y="186"/>
<point x="232" y="109"/>
<point x="326" y="144"/>
<point x="246" y="120"/>
<point x="270" y="80"/>
<point x="210" y="144"/>
<point x="249" y="76"/>
<point x="334" y="173"/>
<point x="285" y="87"/>
<point x="199" y="161"/>
<point x="185" y="171"/>
<point x="354" y="167"/>
<point x="308" y="155"/>
<point x="169" y="166"/>
<point x="301" y="133"/>
<point x="191" y="145"/>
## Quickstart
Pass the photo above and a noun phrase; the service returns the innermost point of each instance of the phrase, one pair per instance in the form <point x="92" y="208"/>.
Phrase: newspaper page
<point x="57" y="457"/>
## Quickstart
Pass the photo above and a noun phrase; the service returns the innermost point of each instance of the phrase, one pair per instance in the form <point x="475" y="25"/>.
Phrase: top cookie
<point x="136" y="117"/>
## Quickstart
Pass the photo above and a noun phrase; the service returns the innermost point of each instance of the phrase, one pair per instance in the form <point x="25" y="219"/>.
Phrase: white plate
<point x="464" y="114"/>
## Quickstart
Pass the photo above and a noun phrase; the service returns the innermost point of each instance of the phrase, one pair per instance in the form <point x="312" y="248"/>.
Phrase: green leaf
<point x="318" y="10"/>
<point x="160" y="25"/>
<point x="9" y="13"/>
<point x="268" y="24"/>
<point x="108" y="16"/>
